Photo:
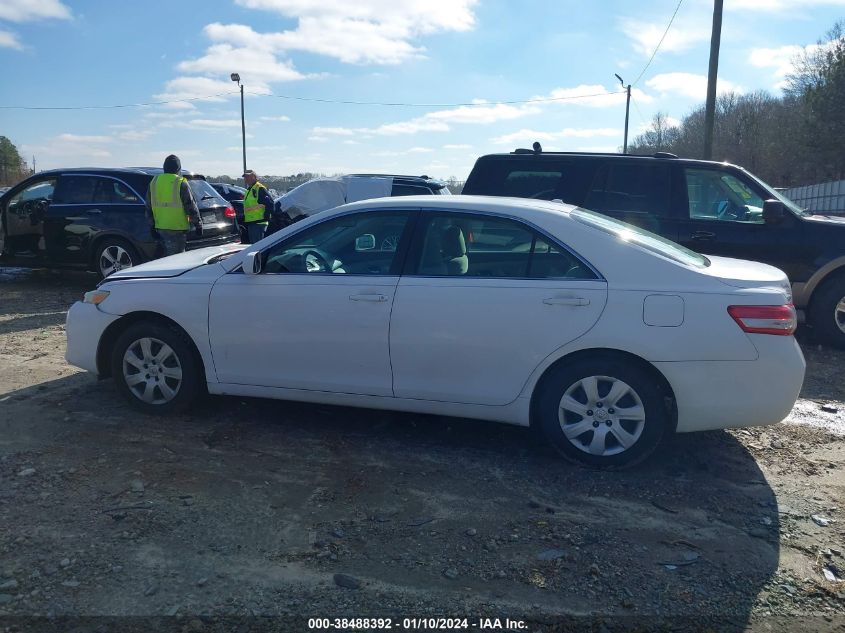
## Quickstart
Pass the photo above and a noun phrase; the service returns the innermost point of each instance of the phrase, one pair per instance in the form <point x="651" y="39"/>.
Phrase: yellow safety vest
<point x="254" y="212"/>
<point x="166" y="202"/>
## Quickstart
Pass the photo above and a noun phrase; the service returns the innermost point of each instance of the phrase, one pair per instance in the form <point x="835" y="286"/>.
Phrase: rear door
<point x="88" y="205"/>
<point x="724" y="216"/>
<point x="484" y="300"/>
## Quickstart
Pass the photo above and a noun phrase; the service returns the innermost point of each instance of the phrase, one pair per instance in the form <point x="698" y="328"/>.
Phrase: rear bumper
<point x="217" y="240"/>
<point x="83" y="330"/>
<point x="731" y="394"/>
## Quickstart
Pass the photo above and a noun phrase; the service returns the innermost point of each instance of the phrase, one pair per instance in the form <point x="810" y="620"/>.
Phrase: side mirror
<point x="252" y="263"/>
<point x="365" y="242"/>
<point x="773" y="211"/>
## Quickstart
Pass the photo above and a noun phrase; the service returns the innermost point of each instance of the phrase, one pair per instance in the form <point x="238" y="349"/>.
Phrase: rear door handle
<point x="566" y="301"/>
<point x="703" y="236"/>
<point x="93" y="212"/>
<point x="375" y="298"/>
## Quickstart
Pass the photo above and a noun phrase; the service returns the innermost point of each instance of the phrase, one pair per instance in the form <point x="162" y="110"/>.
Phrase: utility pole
<point x="236" y="77"/>
<point x="710" y="108"/>
<point x="627" y="112"/>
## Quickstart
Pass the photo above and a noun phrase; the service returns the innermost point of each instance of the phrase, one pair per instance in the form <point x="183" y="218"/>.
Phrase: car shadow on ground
<point x="456" y="508"/>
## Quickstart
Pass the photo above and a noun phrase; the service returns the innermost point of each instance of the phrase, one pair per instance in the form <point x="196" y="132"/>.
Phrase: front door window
<point x="718" y="195"/>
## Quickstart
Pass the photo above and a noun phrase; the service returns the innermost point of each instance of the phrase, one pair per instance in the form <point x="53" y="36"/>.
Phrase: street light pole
<point x="236" y="77"/>
<point x="627" y="112"/>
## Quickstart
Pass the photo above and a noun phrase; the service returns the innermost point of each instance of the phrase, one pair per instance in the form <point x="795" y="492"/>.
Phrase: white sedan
<point x="602" y="336"/>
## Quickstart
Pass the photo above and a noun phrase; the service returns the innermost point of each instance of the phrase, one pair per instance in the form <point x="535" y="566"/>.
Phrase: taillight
<point x="777" y="320"/>
<point x="229" y="212"/>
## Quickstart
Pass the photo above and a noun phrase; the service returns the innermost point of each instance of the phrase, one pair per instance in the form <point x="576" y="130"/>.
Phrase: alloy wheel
<point x="114" y="258"/>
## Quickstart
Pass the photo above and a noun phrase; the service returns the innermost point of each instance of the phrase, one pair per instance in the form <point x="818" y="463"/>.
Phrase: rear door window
<point x="630" y="190"/>
<point x="475" y="245"/>
<point x="76" y="189"/>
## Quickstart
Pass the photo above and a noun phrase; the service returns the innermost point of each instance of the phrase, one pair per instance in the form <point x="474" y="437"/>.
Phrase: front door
<point x="24" y="218"/>
<point x="724" y="216"/>
<point x="484" y="301"/>
<point x="318" y="315"/>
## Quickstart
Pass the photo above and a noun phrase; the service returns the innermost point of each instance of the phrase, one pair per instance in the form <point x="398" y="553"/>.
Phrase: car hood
<point x="825" y="219"/>
<point x="741" y="273"/>
<point x="176" y="264"/>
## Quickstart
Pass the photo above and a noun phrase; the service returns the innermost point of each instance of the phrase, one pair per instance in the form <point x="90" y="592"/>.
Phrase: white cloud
<point x="318" y="139"/>
<point x="646" y="35"/>
<point x="281" y="118"/>
<point x="781" y="59"/>
<point x="350" y="142"/>
<point x="420" y="150"/>
<point x="31" y="10"/>
<point x="135" y="135"/>
<point x="458" y="146"/>
<point x="377" y="31"/>
<point x="689" y="85"/>
<point x="257" y="66"/>
<point x="8" y="39"/>
<point x="529" y="136"/>
<point x="336" y="131"/>
<point x="79" y="138"/>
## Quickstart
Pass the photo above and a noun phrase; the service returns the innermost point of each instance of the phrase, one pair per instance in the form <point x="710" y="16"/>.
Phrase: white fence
<point x="826" y="198"/>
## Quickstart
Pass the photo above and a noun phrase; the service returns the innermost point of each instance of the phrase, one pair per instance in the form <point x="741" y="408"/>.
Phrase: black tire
<point x="192" y="380"/>
<point x="114" y="246"/>
<point x="644" y="388"/>
<point x="823" y="314"/>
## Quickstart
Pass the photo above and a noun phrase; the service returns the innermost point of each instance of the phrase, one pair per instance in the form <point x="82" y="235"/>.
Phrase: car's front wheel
<point x="155" y="368"/>
<point x="114" y="254"/>
<point x="604" y="412"/>
<point x="827" y="312"/>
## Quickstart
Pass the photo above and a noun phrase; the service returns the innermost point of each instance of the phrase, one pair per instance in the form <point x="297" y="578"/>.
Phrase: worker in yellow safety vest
<point x="258" y="205"/>
<point x="171" y="209"/>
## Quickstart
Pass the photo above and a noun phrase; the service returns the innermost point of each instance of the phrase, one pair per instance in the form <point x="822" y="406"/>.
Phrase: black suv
<point x="94" y="219"/>
<point x="713" y="208"/>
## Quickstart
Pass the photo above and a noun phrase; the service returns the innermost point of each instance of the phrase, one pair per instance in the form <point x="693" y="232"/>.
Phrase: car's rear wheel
<point x="827" y="312"/>
<point x="114" y="254"/>
<point x="604" y="412"/>
<point x="155" y="368"/>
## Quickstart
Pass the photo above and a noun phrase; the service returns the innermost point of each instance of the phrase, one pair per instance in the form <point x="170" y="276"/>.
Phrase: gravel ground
<point x="249" y="509"/>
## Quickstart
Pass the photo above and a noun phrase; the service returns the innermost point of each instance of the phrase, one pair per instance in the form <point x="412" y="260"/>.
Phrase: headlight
<point x="95" y="296"/>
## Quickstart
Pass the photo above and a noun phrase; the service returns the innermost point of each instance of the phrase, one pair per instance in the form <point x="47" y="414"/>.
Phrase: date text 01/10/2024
<point x="441" y="624"/>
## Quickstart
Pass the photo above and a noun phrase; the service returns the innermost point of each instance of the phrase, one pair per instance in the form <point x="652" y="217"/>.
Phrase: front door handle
<point x="566" y="301"/>
<point x="703" y="236"/>
<point x="93" y="212"/>
<point x="375" y="298"/>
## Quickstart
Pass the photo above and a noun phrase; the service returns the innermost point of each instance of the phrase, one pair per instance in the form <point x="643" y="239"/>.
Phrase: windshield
<point x="641" y="237"/>
<point x="779" y="196"/>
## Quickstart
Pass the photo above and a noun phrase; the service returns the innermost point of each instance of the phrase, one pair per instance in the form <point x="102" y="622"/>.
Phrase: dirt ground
<point x="247" y="510"/>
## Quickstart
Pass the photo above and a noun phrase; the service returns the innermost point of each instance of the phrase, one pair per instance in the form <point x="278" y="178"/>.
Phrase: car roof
<point x="506" y="206"/>
<point x="527" y="154"/>
<point x="425" y="179"/>
<point x="146" y="171"/>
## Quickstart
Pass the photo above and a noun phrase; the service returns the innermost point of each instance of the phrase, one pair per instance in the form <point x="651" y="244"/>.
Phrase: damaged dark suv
<point x="94" y="219"/>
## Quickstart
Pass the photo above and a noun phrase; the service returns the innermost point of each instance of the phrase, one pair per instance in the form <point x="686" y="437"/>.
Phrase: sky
<point x="472" y="77"/>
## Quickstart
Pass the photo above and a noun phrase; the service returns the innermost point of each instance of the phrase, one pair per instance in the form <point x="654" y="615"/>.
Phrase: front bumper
<point x="83" y="330"/>
<point x="730" y="394"/>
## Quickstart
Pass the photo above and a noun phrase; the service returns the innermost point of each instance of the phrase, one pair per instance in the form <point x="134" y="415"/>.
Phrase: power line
<point x="120" y="105"/>
<point x="316" y="100"/>
<point x="637" y="108"/>
<point x="442" y="105"/>
<point x="657" y="48"/>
